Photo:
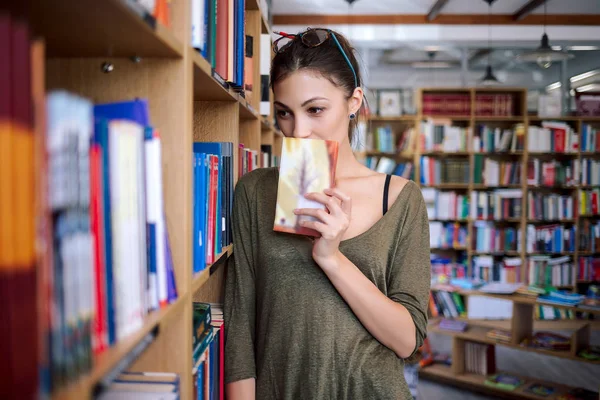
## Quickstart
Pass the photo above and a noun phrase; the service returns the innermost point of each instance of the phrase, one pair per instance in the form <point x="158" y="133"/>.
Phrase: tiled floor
<point x="551" y="369"/>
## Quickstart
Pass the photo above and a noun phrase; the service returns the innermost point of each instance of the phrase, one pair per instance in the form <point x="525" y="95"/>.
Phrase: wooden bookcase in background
<point x="187" y="104"/>
<point x="523" y="323"/>
<point x="471" y="120"/>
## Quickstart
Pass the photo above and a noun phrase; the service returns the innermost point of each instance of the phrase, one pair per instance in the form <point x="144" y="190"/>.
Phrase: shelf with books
<point x="475" y="382"/>
<point x="116" y="357"/>
<point x="76" y="28"/>
<point x="141" y="58"/>
<point x="479" y="334"/>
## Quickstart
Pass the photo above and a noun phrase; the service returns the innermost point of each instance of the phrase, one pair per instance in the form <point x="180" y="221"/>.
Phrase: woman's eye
<point x="282" y="113"/>
<point x="315" y="110"/>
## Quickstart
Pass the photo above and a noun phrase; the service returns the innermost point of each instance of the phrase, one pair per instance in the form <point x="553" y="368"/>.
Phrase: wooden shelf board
<point x="108" y="360"/>
<point x="539" y="154"/>
<point x="107" y="28"/>
<point x="551" y="221"/>
<point x="478" y="186"/>
<point x="498" y="119"/>
<point x="451" y="117"/>
<point x="384" y="154"/>
<point x="496" y="221"/>
<point x="445" y="154"/>
<point x="206" y="88"/>
<point x="520" y="299"/>
<point x="478" y="334"/>
<point x="474" y="382"/>
<point x="201" y="277"/>
<point x="448" y="186"/>
<point x="589" y="154"/>
<point x="538" y="324"/>
<point x="495" y="253"/>
<point x="567" y="118"/>
<point x="246" y="110"/>
<point x="589" y="119"/>
<point x="396" y="118"/>
<point x="448" y="248"/>
<point x="265" y="125"/>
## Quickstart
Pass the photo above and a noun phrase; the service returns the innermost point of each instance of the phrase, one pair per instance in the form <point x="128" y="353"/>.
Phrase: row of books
<point x="444" y="268"/>
<point x="488" y="238"/>
<point x="488" y="139"/>
<point x="441" y="135"/>
<point x="112" y="261"/>
<point x="388" y="165"/>
<point x="590" y="172"/>
<point x="590" y="138"/>
<point x="555" y="238"/>
<point x="445" y="205"/>
<point x="436" y="171"/>
<point x="545" y="271"/>
<point x="480" y="358"/>
<point x="550" y="207"/>
<point x="589" y="269"/>
<point x="213" y="201"/>
<point x="450" y="104"/>
<point x="552" y="173"/>
<point x="383" y="139"/>
<point x="143" y="385"/>
<point x="208" y="351"/>
<point x="589" y="202"/>
<point x="552" y="137"/>
<point x="448" y="304"/>
<point x="447" y="235"/>
<point x="499" y="173"/>
<point x="497" y="205"/>
<point x="488" y="269"/>
<point x="218" y="33"/>
<point x="589" y="236"/>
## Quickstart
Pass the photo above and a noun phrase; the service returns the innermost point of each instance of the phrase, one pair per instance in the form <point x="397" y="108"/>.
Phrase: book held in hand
<point x="306" y="166"/>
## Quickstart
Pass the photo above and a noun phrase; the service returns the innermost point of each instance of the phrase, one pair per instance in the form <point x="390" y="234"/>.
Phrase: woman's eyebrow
<point x="313" y="99"/>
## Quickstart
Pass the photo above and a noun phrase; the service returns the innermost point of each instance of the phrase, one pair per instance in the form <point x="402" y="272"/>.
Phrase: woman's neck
<point x="347" y="165"/>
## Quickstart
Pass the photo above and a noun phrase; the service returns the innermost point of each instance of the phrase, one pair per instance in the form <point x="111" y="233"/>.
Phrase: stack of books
<point x="548" y="340"/>
<point x="500" y="335"/>
<point x="453" y="325"/>
<point x="561" y="297"/>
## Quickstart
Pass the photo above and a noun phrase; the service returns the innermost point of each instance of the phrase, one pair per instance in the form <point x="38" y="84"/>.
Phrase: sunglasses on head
<point x="311" y="38"/>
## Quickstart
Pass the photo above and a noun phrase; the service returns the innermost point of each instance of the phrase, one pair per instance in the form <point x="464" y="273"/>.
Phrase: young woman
<point x="331" y="318"/>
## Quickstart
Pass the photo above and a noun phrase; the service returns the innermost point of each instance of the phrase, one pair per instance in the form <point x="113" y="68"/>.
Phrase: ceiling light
<point x="554" y="86"/>
<point x="489" y="78"/>
<point x="588" y="88"/>
<point x="585" y="75"/>
<point x="544" y="55"/>
<point x="584" y="48"/>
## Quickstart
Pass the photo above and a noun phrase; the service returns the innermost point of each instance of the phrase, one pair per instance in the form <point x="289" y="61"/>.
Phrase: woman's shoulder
<point x="252" y="181"/>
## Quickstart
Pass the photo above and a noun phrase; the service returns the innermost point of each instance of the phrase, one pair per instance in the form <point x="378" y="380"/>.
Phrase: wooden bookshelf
<point x="476" y="383"/>
<point x="188" y="103"/>
<point x="518" y="115"/>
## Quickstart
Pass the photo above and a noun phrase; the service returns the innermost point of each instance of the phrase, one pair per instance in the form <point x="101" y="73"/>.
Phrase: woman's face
<point x="308" y="105"/>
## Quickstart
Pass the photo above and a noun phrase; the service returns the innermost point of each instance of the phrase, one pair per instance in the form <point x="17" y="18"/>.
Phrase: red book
<point x="307" y="165"/>
<point x="100" y="330"/>
<point x="212" y="208"/>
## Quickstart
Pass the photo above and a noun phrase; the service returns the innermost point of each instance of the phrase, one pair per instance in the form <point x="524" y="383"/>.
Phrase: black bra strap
<point x="386" y="189"/>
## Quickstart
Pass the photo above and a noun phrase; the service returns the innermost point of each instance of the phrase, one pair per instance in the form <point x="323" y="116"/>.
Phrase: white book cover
<point x="197" y="20"/>
<point x="127" y="221"/>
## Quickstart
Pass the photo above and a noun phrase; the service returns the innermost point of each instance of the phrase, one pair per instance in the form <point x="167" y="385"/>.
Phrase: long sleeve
<point x="239" y="304"/>
<point x="409" y="277"/>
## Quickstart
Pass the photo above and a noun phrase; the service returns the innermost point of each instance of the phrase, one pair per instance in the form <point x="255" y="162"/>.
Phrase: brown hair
<point x="325" y="59"/>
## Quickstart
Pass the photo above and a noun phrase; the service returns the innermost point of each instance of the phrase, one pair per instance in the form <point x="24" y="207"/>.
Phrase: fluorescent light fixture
<point x="431" y="64"/>
<point x="585" y="75"/>
<point x="588" y="88"/>
<point x="554" y="86"/>
<point x="584" y="48"/>
<point x="557" y="48"/>
<point x="432" y="48"/>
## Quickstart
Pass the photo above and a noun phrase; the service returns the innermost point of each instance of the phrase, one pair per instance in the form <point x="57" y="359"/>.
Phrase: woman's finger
<point x="346" y="201"/>
<point x="318" y="213"/>
<point x="333" y="204"/>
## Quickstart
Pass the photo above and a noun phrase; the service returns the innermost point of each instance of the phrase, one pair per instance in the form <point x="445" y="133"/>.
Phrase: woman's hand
<point x="331" y="223"/>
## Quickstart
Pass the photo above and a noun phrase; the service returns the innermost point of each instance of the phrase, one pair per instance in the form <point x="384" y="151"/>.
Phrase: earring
<point x="352" y="116"/>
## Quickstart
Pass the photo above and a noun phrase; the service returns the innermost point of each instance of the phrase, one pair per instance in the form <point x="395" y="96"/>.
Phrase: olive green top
<point x="285" y="323"/>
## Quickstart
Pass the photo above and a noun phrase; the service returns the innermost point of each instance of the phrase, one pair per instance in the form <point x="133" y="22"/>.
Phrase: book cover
<point x="540" y="390"/>
<point x="307" y="165"/>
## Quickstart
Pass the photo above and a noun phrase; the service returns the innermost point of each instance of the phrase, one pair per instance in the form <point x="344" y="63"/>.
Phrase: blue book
<point x="132" y="110"/>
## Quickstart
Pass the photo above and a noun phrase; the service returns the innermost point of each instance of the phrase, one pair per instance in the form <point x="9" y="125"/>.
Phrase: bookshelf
<point x="466" y="116"/>
<point x="187" y="103"/>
